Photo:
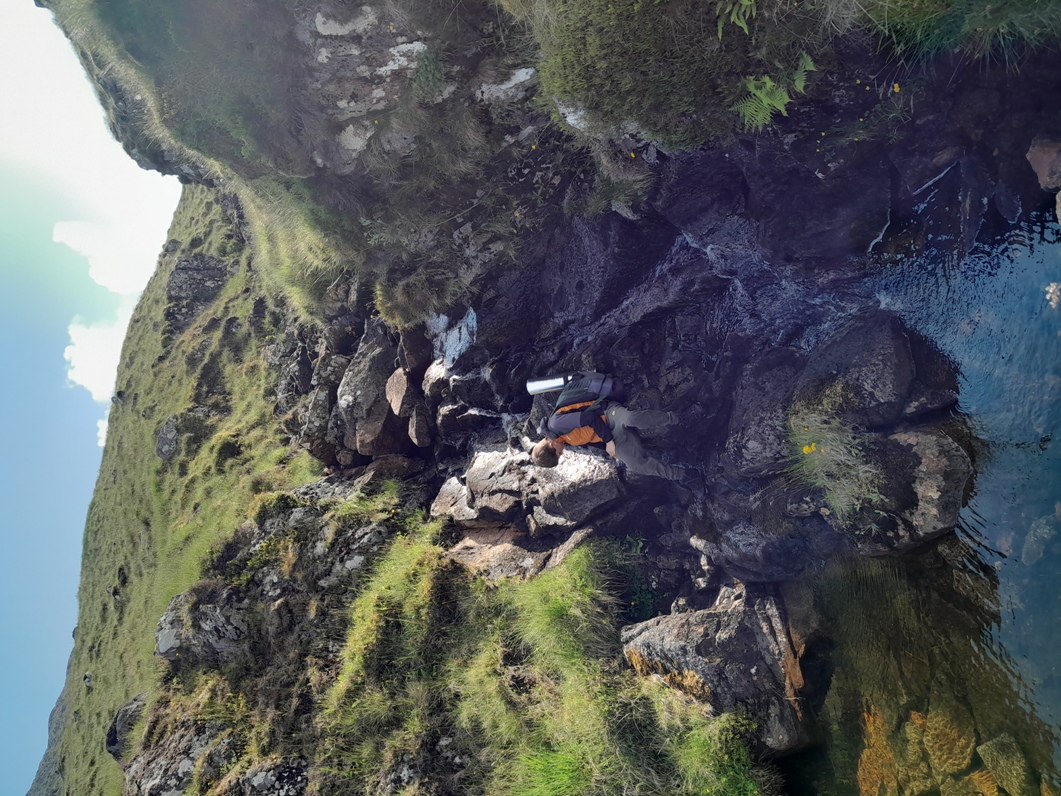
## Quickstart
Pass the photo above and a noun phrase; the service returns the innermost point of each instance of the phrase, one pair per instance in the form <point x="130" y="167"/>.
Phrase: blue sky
<point x="80" y="231"/>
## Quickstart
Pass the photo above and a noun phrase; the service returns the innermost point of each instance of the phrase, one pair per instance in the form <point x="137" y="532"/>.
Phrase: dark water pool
<point x="946" y="672"/>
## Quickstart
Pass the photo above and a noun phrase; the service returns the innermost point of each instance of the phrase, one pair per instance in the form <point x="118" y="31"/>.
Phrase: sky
<point x="81" y="227"/>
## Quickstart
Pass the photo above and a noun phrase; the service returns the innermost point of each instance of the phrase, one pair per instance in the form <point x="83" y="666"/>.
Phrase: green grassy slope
<point x="151" y="522"/>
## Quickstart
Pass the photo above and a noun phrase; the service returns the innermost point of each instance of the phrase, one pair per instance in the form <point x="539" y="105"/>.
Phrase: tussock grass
<point x="523" y="679"/>
<point x="827" y="454"/>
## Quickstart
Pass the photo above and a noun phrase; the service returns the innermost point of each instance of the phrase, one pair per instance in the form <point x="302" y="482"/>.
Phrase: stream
<point x="947" y="663"/>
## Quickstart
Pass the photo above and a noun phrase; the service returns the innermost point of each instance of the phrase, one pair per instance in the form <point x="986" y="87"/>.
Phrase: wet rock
<point x="975" y="189"/>
<point x="794" y="228"/>
<point x="735" y="653"/>
<point x="1042" y="531"/>
<point x="457" y="420"/>
<point x="370" y="427"/>
<point x="920" y="164"/>
<point x="1005" y="760"/>
<point x="950" y="734"/>
<point x="124" y="721"/>
<point x="1044" y="155"/>
<point x="925" y="474"/>
<point x="752" y="540"/>
<point x="864" y="371"/>
<point x="757" y="441"/>
<point x="697" y="193"/>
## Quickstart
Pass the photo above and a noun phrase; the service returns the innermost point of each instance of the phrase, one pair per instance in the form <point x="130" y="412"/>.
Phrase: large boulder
<point x="757" y="442"/>
<point x="501" y="489"/>
<point x="735" y="654"/>
<point x="923" y="477"/>
<point x="864" y="371"/>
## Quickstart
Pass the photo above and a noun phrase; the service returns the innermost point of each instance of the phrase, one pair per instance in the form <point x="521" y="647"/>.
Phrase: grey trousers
<point x="628" y="450"/>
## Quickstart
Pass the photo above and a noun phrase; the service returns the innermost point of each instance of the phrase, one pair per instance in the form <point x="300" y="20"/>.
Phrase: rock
<point x="197" y="633"/>
<point x="457" y="420"/>
<point x="401" y="393"/>
<point x="124" y="721"/>
<point x="371" y="428"/>
<point x="735" y="653"/>
<point x="168" y="441"/>
<point x="757" y="440"/>
<point x="415" y="351"/>
<point x="950" y="734"/>
<point x="420" y="426"/>
<point x="864" y="371"/>
<point x="1044" y="155"/>
<point x="1005" y="760"/>
<point x="329" y="370"/>
<point x="501" y="490"/>
<point x="925" y="474"/>
<point x="314" y="434"/>
<point x="283" y="778"/>
<point x="1042" y="531"/>
<point x="499" y="554"/>
<point x="166" y="767"/>
<point x="394" y="466"/>
<point x="193" y="284"/>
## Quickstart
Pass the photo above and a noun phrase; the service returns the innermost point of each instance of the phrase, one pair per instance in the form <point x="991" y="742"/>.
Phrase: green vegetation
<point x="983" y="28"/>
<point x="519" y="686"/>
<point x="661" y="65"/>
<point x="826" y="453"/>
<point x="151" y="522"/>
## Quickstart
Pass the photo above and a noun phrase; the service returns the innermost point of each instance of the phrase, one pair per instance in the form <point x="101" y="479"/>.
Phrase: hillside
<point x="319" y="559"/>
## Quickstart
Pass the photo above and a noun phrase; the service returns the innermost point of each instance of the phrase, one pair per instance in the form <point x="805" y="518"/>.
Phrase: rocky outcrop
<point x="124" y="721"/>
<point x="501" y="490"/>
<point x="735" y="654"/>
<point x="194" y="282"/>
<point x="205" y="632"/>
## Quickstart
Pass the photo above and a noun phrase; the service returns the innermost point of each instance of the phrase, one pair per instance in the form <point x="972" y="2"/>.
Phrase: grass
<point x="524" y="681"/>
<point x="826" y="453"/>
<point x="151" y="523"/>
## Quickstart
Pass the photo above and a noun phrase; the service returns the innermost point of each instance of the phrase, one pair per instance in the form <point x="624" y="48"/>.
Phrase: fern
<point x="767" y="96"/>
<point x="799" y="77"/>
<point x="736" y="11"/>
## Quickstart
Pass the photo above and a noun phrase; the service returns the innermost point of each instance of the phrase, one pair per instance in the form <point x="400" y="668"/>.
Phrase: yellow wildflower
<point x="808" y="449"/>
<point x="895" y="87"/>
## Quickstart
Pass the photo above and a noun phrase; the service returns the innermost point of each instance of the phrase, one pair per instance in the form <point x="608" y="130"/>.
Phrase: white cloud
<point x="101" y="430"/>
<point x="93" y="354"/>
<point x="121" y="252"/>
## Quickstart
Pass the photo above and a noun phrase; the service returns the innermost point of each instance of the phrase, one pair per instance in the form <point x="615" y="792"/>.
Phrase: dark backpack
<point x="587" y="387"/>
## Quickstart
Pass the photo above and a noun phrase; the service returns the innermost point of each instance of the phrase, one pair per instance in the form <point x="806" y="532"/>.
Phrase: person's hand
<point x="610" y="447"/>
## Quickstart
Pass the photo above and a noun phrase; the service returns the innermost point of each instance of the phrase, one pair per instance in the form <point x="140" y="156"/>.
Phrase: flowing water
<point x="946" y="670"/>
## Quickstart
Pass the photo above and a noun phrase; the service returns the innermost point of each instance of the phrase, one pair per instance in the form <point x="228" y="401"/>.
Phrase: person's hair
<point x="544" y="455"/>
